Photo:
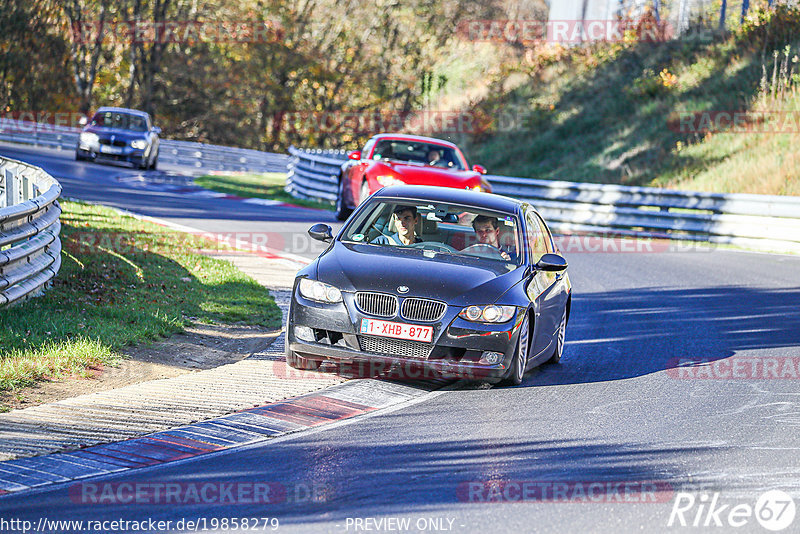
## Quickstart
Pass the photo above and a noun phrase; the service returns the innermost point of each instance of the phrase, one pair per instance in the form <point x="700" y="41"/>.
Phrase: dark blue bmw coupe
<point x="462" y="283"/>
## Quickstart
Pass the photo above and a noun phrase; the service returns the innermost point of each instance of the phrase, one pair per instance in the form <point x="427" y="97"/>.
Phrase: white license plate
<point x="110" y="149"/>
<point x="411" y="332"/>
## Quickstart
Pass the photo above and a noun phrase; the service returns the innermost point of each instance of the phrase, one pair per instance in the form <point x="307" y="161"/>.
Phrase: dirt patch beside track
<point x="199" y="347"/>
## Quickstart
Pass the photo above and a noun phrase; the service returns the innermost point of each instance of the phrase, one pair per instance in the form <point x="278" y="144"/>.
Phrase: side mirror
<point x="551" y="263"/>
<point x="83" y="121"/>
<point x="355" y="154"/>
<point x="156" y="130"/>
<point x="479" y="169"/>
<point x="321" y="232"/>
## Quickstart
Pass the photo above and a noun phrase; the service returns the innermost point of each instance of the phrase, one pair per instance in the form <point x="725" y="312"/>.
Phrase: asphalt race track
<point x="167" y="194"/>
<point x="617" y="437"/>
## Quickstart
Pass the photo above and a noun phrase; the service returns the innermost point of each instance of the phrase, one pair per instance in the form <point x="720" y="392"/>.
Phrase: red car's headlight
<point x="388" y="180"/>
<point x="483" y="186"/>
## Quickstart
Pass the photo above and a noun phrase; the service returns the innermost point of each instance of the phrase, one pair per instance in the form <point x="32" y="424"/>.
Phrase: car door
<point x="543" y="288"/>
<point x="561" y="286"/>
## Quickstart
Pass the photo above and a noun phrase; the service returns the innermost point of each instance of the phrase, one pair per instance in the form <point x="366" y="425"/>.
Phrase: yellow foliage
<point x="668" y="79"/>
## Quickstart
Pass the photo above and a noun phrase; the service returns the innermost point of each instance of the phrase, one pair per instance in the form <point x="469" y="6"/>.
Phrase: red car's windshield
<point x="418" y="152"/>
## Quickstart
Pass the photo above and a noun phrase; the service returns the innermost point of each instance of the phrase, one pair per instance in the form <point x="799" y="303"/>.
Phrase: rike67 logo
<point x="774" y="510"/>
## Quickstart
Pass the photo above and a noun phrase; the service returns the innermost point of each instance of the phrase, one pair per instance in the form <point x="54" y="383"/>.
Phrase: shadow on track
<point x="625" y="334"/>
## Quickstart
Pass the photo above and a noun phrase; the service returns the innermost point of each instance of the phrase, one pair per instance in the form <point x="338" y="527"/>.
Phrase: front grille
<point x="378" y="304"/>
<point x="395" y="347"/>
<point x="423" y="310"/>
<point x="117" y="142"/>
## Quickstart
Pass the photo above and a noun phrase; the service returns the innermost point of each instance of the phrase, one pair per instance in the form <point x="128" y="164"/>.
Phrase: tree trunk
<point x="85" y="50"/>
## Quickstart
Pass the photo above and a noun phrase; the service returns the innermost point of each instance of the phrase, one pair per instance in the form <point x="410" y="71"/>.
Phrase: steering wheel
<point x="433" y="245"/>
<point x="482" y="249"/>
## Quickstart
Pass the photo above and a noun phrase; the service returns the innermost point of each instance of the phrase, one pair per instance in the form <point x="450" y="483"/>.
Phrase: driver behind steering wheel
<point x="488" y="231"/>
<point x="406" y="219"/>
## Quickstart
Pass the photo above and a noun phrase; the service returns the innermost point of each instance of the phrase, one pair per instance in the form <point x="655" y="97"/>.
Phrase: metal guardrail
<point x="30" y="249"/>
<point x="754" y="221"/>
<point x="198" y="155"/>
<point x="314" y="174"/>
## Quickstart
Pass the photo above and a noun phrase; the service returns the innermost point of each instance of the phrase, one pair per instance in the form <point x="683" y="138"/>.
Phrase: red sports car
<point x="395" y="159"/>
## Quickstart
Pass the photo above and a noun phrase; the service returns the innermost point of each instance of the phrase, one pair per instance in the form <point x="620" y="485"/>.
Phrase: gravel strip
<point x="155" y="405"/>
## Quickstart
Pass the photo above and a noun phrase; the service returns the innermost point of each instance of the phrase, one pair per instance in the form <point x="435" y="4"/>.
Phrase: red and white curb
<point x="348" y="400"/>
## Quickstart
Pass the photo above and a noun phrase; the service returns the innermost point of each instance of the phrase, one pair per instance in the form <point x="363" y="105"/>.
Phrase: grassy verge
<point x="122" y="281"/>
<point x="252" y="185"/>
<point x="612" y="113"/>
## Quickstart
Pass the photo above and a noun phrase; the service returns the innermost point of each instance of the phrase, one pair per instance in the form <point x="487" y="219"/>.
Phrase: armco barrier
<point x="314" y="174"/>
<point x="30" y="249"/>
<point x="754" y="221"/>
<point x="198" y="155"/>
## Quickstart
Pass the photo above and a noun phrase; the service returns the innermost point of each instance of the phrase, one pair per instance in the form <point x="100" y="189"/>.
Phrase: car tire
<point x="363" y="193"/>
<point x="298" y="362"/>
<point x="78" y="156"/>
<point x="560" y="334"/>
<point x="342" y="211"/>
<point x="520" y="359"/>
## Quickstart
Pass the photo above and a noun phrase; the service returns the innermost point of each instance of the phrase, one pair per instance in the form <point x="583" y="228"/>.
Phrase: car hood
<point x="118" y="133"/>
<point x="453" y="279"/>
<point x="424" y="175"/>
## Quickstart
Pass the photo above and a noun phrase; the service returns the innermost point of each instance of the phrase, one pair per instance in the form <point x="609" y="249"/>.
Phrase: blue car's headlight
<point x="139" y="143"/>
<point x="89" y="138"/>
<point x="487" y="314"/>
<point x="319" y="291"/>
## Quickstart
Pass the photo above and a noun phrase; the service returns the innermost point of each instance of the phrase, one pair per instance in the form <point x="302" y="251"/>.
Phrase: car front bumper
<point x="455" y="351"/>
<point x="99" y="151"/>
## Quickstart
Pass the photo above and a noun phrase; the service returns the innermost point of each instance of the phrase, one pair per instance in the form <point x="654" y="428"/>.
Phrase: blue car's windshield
<point x="438" y="228"/>
<point x="119" y="120"/>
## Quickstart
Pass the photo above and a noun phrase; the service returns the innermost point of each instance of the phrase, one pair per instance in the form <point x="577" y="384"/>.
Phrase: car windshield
<point x="438" y="230"/>
<point x="419" y="153"/>
<point x="121" y="121"/>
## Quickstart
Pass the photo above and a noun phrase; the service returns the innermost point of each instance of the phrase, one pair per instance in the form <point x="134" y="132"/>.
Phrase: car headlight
<point x="483" y="187"/>
<point x="319" y="291"/>
<point x="487" y="314"/>
<point x="386" y="181"/>
<point x="139" y="143"/>
<point x="88" y="138"/>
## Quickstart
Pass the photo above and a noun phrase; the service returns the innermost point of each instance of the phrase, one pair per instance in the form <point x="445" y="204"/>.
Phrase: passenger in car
<point x="406" y="219"/>
<point x="488" y="231"/>
<point x="436" y="159"/>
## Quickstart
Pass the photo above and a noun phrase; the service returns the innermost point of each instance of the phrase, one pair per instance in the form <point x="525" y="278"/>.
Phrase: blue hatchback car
<point x="120" y="134"/>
